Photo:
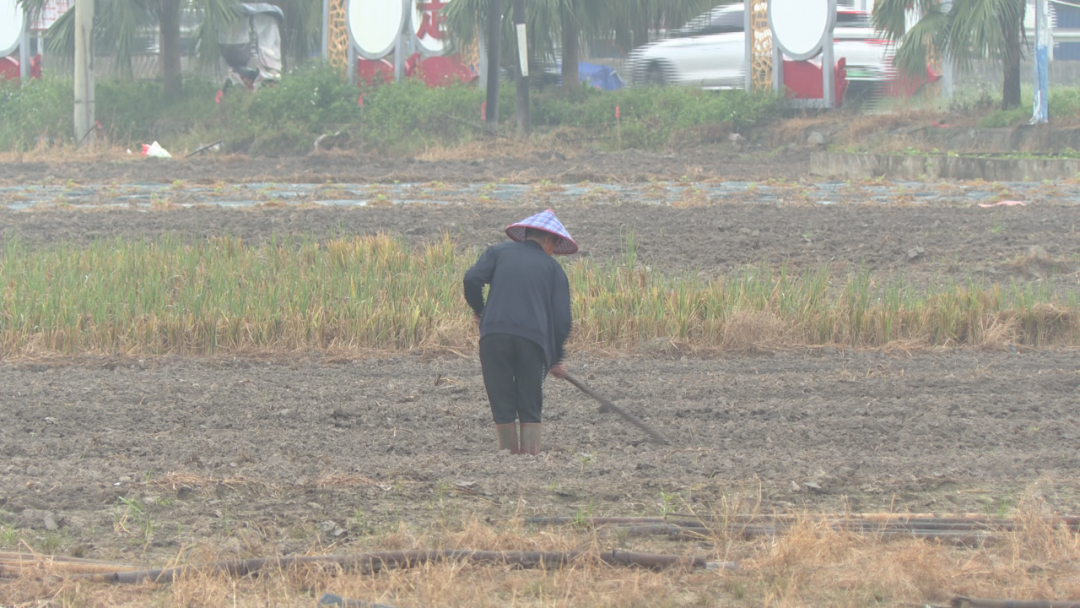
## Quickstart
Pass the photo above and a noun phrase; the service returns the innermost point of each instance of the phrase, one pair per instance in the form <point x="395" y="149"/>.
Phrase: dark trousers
<point x="514" y="370"/>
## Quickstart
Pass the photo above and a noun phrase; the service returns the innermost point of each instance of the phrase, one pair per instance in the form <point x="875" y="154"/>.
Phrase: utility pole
<point x="524" y="116"/>
<point x="494" y="43"/>
<point x="84" y="71"/>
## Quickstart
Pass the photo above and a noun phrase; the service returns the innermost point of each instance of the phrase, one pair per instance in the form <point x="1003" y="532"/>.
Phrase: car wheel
<point x="654" y="75"/>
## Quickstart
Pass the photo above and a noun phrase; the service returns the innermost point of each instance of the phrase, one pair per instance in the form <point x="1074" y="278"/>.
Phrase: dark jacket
<point x="529" y="295"/>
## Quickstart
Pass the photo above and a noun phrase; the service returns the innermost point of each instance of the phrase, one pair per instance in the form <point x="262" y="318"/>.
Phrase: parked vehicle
<point x="710" y="51"/>
<point x="252" y="45"/>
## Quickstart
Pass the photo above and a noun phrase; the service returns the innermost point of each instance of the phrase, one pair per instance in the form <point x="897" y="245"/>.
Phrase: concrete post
<point x="777" y="69"/>
<point x="828" y="73"/>
<point x="324" y="48"/>
<point x="24" y="52"/>
<point x="351" y="60"/>
<point x="748" y="61"/>
<point x="84" y="71"/>
<point x="523" y="111"/>
<point x="1041" y="114"/>
<point x="401" y="44"/>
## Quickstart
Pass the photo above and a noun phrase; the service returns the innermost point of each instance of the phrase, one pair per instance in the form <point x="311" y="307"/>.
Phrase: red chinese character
<point x="431" y="19"/>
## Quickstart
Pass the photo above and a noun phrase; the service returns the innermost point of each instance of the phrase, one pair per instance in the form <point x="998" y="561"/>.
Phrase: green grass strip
<point x="221" y="295"/>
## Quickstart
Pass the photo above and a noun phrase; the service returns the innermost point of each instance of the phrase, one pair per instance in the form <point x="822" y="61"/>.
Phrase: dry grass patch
<point x="69" y="152"/>
<point x="544" y="146"/>
<point x="809" y="564"/>
<point x="846" y="129"/>
<point x="358" y="294"/>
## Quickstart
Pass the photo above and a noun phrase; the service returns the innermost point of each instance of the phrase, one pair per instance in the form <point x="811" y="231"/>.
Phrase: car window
<point x="730" y="21"/>
<point x="853" y="19"/>
<point x="720" y="20"/>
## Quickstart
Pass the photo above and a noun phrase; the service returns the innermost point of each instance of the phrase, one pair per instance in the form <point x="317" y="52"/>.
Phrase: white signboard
<point x="374" y="26"/>
<point x="800" y="27"/>
<point x="52" y="11"/>
<point x="11" y="25"/>
<point x="427" y="25"/>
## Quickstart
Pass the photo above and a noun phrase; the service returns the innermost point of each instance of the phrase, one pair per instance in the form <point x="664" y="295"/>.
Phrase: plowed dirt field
<point x="134" y="457"/>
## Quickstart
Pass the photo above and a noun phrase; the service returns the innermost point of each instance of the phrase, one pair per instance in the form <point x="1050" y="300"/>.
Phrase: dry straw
<point x="809" y="563"/>
<point x="221" y="295"/>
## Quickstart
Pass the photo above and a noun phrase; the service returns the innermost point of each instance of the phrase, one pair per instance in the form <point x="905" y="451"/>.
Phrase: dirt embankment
<point x="490" y="165"/>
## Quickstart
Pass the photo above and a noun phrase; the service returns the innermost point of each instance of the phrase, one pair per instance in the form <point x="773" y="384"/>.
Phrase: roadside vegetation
<point x="1064" y="108"/>
<point x="375" y="293"/>
<point x="388" y="119"/>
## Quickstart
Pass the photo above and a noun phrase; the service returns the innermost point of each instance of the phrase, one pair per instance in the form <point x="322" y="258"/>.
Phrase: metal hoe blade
<point x="655" y="436"/>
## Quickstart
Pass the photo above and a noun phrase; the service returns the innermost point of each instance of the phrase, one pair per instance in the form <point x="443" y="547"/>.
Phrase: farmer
<point x="523" y="325"/>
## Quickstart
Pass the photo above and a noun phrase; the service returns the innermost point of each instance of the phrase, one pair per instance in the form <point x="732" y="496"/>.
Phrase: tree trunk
<point x="170" y="48"/>
<point x="524" y="116"/>
<point x="570" y="34"/>
<point x="641" y="31"/>
<point x="1010" y="92"/>
<point x="624" y="39"/>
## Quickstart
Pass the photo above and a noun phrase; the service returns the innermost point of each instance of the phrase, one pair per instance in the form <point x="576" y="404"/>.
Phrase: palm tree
<point x="631" y="20"/>
<point x="118" y="23"/>
<point x="559" y="26"/>
<point x="969" y="30"/>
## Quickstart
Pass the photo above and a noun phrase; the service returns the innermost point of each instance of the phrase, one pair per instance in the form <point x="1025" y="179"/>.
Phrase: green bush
<point x="400" y="118"/>
<point x="134" y="111"/>
<point x="407" y="116"/>
<point x="650" y="116"/>
<point x="130" y="112"/>
<point x="1064" y="102"/>
<point x="41" y="112"/>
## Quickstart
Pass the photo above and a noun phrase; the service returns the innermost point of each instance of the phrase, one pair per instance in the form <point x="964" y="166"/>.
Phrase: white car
<point x="710" y="51"/>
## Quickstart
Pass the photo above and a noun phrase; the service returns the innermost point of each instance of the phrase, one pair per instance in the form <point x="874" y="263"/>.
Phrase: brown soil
<point x="286" y="445"/>
<point x="729" y="161"/>
<point x="1033" y="243"/>
<point x="136" y="458"/>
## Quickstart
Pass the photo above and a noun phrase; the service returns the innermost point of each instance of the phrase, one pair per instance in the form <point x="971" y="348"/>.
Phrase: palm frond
<point x="926" y="37"/>
<point x="890" y="19"/>
<point x="302" y="32"/>
<point x="217" y="15"/>
<point x="117" y="24"/>
<point x="32" y="8"/>
<point x="61" y="36"/>
<point x="975" y="30"/>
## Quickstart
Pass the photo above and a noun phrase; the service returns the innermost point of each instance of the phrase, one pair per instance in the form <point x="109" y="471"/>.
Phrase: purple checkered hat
<point x="546" y="221"/>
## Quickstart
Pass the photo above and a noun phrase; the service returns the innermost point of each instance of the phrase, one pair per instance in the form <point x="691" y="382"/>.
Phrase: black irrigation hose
<point x="971" y="602"/>
<point x="849" y="522"/>
<point x="969" y="531"/>
<point x="375" y="562"/>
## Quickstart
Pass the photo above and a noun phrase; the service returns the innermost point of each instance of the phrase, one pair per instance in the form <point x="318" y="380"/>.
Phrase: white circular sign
<point x="801" y="27"/>
<point x="374" y="26"/>
<point x="11" y="25"/>
<point x="426" y="22"/>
